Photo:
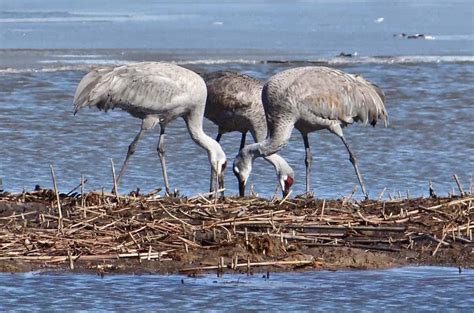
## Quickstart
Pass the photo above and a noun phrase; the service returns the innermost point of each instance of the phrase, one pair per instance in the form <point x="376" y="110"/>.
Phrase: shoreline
<point x="121" y="267"/>
<point x="101" y="233"/>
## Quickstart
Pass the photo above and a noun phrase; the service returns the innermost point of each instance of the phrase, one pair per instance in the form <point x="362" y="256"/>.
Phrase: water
<point x="412" y="288"/>
<point x="306" y="27"/>
<point x="46" y="48"/>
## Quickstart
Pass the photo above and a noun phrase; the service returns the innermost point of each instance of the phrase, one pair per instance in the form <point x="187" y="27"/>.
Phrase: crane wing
<point x="230" y="91"/>
<point x="137" y="88"/>
<point x="336" y="95"/>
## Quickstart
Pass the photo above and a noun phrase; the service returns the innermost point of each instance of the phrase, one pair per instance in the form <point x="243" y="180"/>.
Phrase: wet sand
<point x="104" y="233"/>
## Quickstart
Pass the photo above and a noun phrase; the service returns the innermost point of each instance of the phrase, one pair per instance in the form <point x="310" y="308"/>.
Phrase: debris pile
<point x="46" y="230"/>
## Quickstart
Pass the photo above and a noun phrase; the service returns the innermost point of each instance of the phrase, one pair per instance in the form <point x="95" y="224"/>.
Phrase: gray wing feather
<point x="137" y="88"/>
<point x="336" y="95"/>
<point x="230" y="91"/>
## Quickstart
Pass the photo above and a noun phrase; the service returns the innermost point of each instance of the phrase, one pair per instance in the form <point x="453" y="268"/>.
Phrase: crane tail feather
<point x="85" y="90"/>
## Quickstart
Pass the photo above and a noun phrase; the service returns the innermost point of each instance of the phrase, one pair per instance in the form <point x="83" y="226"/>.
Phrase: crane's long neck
<point x="278" y="136"/>
<point x="259" y="133"/>
<point x="194" y="123"/>
<point x="278" y="162"/>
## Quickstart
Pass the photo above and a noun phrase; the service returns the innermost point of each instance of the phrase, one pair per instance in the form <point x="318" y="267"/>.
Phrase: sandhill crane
<point x="311" y="99"/>
<point x="234" y="103"/>
<point x="157" y="93"/>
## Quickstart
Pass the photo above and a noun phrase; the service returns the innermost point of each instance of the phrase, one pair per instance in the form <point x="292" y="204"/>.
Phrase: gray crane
<point x="311" y="99"/>
<point x="234" y="103"/>
<point x="157" y="93"/>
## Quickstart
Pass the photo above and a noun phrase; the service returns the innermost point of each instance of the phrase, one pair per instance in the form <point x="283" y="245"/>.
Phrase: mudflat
<point x="105" y="233"/>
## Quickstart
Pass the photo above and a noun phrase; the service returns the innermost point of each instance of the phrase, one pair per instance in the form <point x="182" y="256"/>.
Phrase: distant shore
<point x="103" y="233"/>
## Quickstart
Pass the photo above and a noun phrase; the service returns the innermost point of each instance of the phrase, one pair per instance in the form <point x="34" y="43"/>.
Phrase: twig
<point x="285" y="198"/>
<point x="178" y="219"/>
<point x="439" y="244"/>
<point x="78" y="186"/>
<point x="322" y="210"/>
<point x="461" y="191"/>
<point x="60" y="219"/>
<point x="83" y="199"/>
<point x="115" y="180"/>
<point x="206" y="194"/>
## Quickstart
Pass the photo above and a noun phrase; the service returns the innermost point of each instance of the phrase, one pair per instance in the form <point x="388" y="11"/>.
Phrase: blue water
<point x="292" y="28"/>
<point x="47" y="46"/>
<point x="429" y="137"/>
<point x="420" y="289"/>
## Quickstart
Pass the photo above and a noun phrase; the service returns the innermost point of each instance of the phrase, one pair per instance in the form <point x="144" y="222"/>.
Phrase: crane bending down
<point x="234" y="103"/>
<point x="311" y="99"/>
<point x="157" y="93"/>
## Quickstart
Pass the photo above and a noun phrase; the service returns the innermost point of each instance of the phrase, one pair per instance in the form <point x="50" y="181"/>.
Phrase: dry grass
<point x="44" y="226"/>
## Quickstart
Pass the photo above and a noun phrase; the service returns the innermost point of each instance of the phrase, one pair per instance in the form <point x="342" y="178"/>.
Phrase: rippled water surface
<point x="429" y="136"/>
<point x="407" y="289"/>
<point x="429" y="86"/>
<point x="304" y="27"/>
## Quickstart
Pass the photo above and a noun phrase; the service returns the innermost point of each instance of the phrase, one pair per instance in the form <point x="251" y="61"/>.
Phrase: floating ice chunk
<point x="379" y="20"/>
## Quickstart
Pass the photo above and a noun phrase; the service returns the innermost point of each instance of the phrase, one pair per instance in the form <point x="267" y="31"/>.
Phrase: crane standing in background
<point x="234" y="103"/>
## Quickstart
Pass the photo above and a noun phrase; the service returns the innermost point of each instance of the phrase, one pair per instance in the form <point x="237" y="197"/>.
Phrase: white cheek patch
<point x="236" y="170"/>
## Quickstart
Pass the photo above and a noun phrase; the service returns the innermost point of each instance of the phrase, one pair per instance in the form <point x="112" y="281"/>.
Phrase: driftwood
<point x="45" y="226"/>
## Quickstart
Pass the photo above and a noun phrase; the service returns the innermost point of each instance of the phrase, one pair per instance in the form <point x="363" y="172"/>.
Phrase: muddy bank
<point x="106" y="233"/>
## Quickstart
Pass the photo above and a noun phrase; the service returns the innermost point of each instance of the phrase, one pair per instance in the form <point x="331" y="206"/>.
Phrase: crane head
<point x="286" y="181"/>
<point x="242" y="168"/>
<point x="285" y="174"/>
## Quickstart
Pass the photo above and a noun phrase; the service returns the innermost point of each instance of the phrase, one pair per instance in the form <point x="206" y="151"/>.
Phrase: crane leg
<point x="211" y="187"/>
<point x="161" y="154"/>
<point x="131" y="150"/>
<point x="354" y="162"/>
<point x="308" y="162"/>
<point x="242" y="140"/>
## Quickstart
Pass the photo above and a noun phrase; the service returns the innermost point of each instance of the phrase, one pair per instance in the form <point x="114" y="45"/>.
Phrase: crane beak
<point x="76" y="109"/>
<point x="241" y="188"/>
<point x="220" y="176"/>
<point x="220" y="181"/>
